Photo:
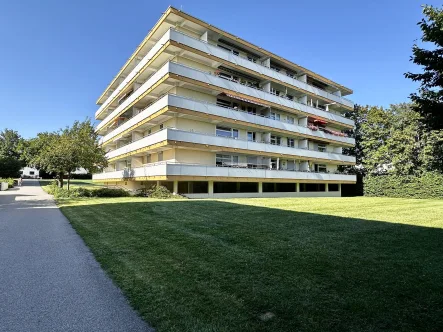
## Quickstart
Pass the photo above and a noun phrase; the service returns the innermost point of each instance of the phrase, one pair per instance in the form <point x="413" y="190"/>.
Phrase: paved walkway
<point x="49" y="280"/>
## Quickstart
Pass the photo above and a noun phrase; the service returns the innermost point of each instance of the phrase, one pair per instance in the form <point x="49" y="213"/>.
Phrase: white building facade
<point x="207" y="114"/>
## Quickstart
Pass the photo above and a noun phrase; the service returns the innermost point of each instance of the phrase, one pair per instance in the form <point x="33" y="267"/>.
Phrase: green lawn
<point x="74" y="183"/>
<point x="296" y="264"/>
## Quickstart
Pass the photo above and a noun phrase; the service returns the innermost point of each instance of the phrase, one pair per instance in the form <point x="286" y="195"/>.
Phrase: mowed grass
<point x="74" y="183"/>
<point x="285" y="264"/>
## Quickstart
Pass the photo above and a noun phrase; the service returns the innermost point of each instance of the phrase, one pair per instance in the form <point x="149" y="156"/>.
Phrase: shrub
<point x="11" y="182"/>
<point x="107" y="192"/>
<point x="77" y="192"/>
<point x="428" y="185"/>
<point x="156" y="192"/>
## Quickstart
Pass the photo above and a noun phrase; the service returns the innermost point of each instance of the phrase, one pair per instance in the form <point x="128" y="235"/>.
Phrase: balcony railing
<point x="311" y="127"/>
<point x="322" y="154"/>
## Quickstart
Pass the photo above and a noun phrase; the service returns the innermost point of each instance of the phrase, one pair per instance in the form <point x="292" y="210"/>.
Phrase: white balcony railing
<point x="173" y="134"/>
<point x="239" y="60"/>
<point x="168" y="168"/>
<point x="205" y="107"/>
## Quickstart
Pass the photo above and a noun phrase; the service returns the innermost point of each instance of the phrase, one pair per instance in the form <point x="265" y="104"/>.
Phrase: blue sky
<point x="56" y="57"/>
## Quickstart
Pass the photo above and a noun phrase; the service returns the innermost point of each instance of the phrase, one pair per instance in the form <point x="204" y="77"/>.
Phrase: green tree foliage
<point x="429" y="99"/>
<point x="10" y="162"/>
<point x="66" y="150"/>
<point x="395" y="141"/>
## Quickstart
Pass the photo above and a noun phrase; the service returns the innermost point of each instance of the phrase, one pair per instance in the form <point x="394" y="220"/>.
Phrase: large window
<point x="291" y="142"/>
<point x="226" y="160"/>
<point x="275" y="140"/>
<point x="160" y="156"/>
<point x="290" y="119"/>
<point x="275" y="116"/>
<point x="223" y="103"/>
<point x="320" y="168"/>
<point x="226" y="132"/>
<point x="273" y="163"/>
<point x="321" y="148"/>
<point x="251" y="136"/>
<point x="275" y="91"/>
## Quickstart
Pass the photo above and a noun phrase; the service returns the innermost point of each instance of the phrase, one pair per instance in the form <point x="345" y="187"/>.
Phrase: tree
<point x="9" y="143"/>
<point x="396" y="141"/>
<point x="429" y="99"/>
<point x="9" y="167"/>
<point x="66" y="150"/>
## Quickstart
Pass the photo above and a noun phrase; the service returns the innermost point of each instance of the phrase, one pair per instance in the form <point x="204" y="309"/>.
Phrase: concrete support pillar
<point x="303" y="78"/>
<point x="303" y="144"/>
<point x="190" y="187"/>
<point x="136" y="162"/>
<point x="339" y="189"/>
<point x="266" y="62"/>
<point x="211" y="188"/>
<point x="337" y="93"/>
<point x="158" y="183"/>
<point x="303" y="121"/>
<point x="204" y="36"/>
<point x="278" y="163"/>
<point x="297" y="187"/>
<point x="260" y="187"/>
<point x="175" y="188"/>
<point x="136" y="135"/>
<point x="327" y="187"/>
<point x="303" y="100"/>
<point x="237" y="187"/>
<point x="136" y="85"/>
<point x="267" y="87"/>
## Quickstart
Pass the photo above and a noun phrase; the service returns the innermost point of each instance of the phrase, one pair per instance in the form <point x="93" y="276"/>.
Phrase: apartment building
<point x="208" y="114"/>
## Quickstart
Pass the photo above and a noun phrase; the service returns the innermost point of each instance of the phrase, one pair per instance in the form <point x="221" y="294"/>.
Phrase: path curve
<point x="49" y="280"/>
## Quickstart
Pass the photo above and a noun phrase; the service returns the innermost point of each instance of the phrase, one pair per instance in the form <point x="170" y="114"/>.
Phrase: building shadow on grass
<point x="214" y="265"/>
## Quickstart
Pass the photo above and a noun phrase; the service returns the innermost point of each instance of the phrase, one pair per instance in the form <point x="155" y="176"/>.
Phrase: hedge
<point x="53" y="189"/>
<point x="428" y="185"/>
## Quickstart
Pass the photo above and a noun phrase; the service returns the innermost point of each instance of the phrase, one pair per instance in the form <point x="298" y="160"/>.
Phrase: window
<point x="226" y="132"/>
<point x="148" y="159"/>
<point x="275" y="68"/>
<point x="288" y="73"/>
<point x="252" y="110"/>
<point x="320" y="168"/>
<point x="225" y="160"/>
<point x="31" y="172"/>
<point x="250" y="58"/>
<point x="321" y="148"/>
<point x="273" y="163"/>
<point x="290" y="97"/>
<point x="291" y="142"/>
<point x="225" y="76"/>
<point x="128" y="164"/>
<point x="275" y="116"/>
<point x="275" y="140"/>
<point x="275" y="92"/>
<point x="223" y="103"/>
<point x="161" y="126"/>
<point x="223" y="131"/>
<point x="290" y="119"/>
<point x="224" y="47"/>
<point x="251" y="136"/>
<point x="235" y="52"/>
<point x="160" y="156"/>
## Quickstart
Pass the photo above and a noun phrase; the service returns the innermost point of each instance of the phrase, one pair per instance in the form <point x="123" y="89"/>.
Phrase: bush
<point x="428" y="185"/>
<point x="58" y="192"/>
<point x="156" y="192"/>
<point x="11" y="182"/>
<point x="9" y="167"/>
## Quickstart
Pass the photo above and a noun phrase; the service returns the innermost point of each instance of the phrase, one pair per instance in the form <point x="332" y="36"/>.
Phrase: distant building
<point x="29" y="173"/>
<point x="208" y="114"/>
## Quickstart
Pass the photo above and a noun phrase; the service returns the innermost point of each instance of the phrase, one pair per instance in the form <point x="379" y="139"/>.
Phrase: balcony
<point x="175" y="137"/>
<point x="237" y="115"/>
<point x="179" y="70"/>
<point x="248" y="63"/>
<point x="173" y="169"/>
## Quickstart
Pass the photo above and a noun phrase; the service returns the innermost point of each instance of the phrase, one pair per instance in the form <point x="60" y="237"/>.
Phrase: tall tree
<point x="66" y="150"/>
<point x="9" y="143"/>
<point x="429" y="99"/>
